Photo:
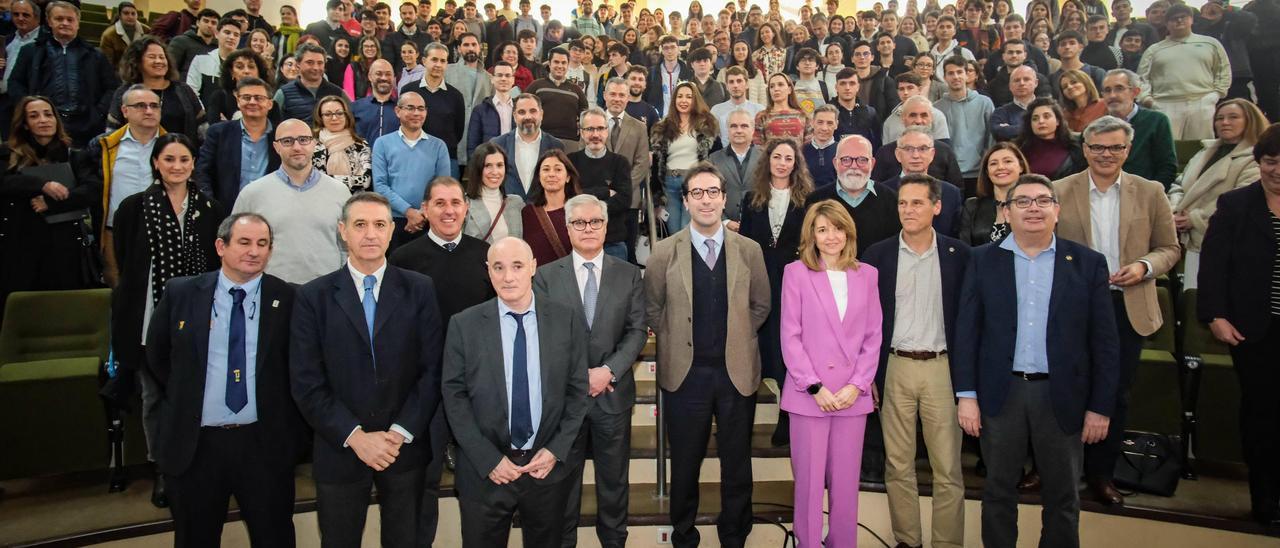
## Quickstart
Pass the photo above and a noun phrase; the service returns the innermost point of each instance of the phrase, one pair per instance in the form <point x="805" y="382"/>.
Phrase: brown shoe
<point x="1030" y="481"/>
<point x="1106" y="492"/>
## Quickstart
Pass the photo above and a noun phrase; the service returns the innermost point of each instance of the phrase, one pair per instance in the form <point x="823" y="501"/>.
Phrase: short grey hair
<point x="1130" y="76"/>
<point x="826" y="108"/>
<point x="617" y="80"/>
<point x="917" y="99"/>
<point x="35" y="8"/>
<point x="914" y="130"/>
<point x="364" y="197"/>
<point x="740" y="112"/>
<point x="435" y="46"/>
<point x="59" y="4"/>
<point x="224" y="228"/>
<point x="134" y="89"/>
<point x="1108" y="124"/>
<point x="575" y="203"/>
<point x="591" y="111"/>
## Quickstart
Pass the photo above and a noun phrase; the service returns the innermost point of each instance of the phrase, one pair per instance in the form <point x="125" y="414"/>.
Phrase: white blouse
<point x="778" y="202"/>
<point x="840" y="288"/>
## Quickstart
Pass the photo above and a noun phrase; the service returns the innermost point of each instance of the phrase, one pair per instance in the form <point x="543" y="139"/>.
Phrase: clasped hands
<point x="839" y="401"/>
<point x="52" y="189"/>
<point x="970" y="417"/>
<point x="538" y="468"/>
<point x="378" y="450"/>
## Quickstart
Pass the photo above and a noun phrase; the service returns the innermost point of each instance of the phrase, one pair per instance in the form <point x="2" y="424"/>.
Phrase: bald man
<point x="874" y="208"/>
<point x="376" y="113"/>
<point x="511" y="461"/>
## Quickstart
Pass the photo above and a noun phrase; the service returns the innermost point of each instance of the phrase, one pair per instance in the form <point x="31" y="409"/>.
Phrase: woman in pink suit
<point x="831" y="346"/>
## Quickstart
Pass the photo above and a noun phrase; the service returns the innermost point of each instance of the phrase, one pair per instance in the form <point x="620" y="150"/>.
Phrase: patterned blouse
<point x="769" y="60"/>
<point x="781" y="123"/>
<point x="359" y="157"/>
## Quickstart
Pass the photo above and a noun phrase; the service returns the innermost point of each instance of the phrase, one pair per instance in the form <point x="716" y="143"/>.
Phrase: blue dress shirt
<point x="852" y="200"/>
<point x="532" y="362"/>
<point x="312" y="178"/>
<point x="699" y="242"/>
<point x="253" y="155"/>
<point x="215" y="411"/>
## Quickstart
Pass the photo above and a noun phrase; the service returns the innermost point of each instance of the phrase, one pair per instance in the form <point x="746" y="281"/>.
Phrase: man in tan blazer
<point x="629" y="138"/>
<point x="707" y="293"/>
<point x="1128" y="220"/>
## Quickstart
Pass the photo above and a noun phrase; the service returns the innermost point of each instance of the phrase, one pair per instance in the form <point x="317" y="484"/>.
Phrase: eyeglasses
<point x="304" y="140"/>
<point x="1100" y="149"/>
<point x="847" y="161"/>
<point x="580" y="224"/>
<point x="1023" y="202"/>
<point x="144" y="106"/>
<point x="253" y="98"/>
<point x="915" y="150"/>
<point x="698" y="193"/>
<point x="411" y="108"/>
<point x="594" y="129"/>
<point x="334" y="114"/>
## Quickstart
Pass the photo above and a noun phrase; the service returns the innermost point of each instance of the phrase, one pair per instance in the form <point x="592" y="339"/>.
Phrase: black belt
<point x="1031" y="376"/>
<point x="920" y="355"/>
<point x="228" y="426"/>
<point x="520" y="453"/>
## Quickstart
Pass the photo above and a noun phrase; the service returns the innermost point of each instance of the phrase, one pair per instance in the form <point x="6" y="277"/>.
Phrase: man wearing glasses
<point x="403" y="164"/>
<point x="707" y="294"/>
<point x="873" y="207"/>
<point x="1127" y="219"/>
<point x="302" y="202"/>
<point x="915" y="152"/>
<point x="1016" y="384"/>
<point x="238" y="152"/>
<point x="605" y="175"/>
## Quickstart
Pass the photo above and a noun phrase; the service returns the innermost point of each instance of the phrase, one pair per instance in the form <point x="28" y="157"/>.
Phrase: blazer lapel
<point x="570" y="280"/>
<point x="267" y="324"/>
<point x="1063" y="263"/>
<point x="389" y="299"/>
<point x="493" y="360"/>
<point x="1128" y="207"/>
<point x="822" y="285"/>
<point x="684" y="263"/>
<point x="734" y="264"/>
<point x="547" y="354"/>
<point x="202" y="310"/>
<point x="344" y="292"/>
<point x="1080" y="201"/>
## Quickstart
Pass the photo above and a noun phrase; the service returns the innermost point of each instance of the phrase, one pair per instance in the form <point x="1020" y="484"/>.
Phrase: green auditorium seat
<point x="1213" y="390"/>
<point x="52" y="347"/>
<point x="1185" y="150"/>
<point x="1155" y="399"/>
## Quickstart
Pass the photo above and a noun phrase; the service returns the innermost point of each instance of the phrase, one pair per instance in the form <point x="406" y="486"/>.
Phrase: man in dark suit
<point x="915" y="151"/>
<point x="944" y="165"/>
<point x="219" y="172"/>
<point x="227" y="423"/>
<point x="365" y="359"/>
<point x="515" y="405"/>
<point x="605" y="175"/>
<point x="609" y="292"/>
<point x="527" y="113"/>
<point x="1015" y="383"/>
<point x="454" y="261"/>
<point x="921" y="272"/>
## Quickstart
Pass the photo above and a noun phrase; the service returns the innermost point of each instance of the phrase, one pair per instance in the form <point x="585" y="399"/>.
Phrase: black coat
<point x="977" y="218"/>
<point x="1237" y="262"/>
<point x="218" y="164"/>
<point x="944" y="164"/>
<point x="178" y="354"/>
<point x="96" y="80"/>
<point x="777" y="254"/>
<point x="129" y="236"/>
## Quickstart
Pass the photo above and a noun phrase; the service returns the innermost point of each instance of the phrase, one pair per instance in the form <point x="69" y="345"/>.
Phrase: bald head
<point x="292" y="127"/>
<point x="511" y="267"/>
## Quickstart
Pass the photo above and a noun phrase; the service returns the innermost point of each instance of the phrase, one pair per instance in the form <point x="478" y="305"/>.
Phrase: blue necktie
<point x="590" y="294"/>
<point x="370" y="303"/>
<point x="237" y="395"/>
<point x="521" y="416"/>
<point x="450" y="246"/>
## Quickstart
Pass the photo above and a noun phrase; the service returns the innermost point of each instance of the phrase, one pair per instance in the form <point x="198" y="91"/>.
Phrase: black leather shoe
<point x="1030" y="481"/>
<point x="1106" y="492"/>
<point x="905" y="545"/>
<point x="450" y="460"/>
<point x="158" y="496"/>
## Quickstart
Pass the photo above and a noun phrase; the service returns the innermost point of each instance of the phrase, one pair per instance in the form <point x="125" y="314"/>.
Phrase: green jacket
<point x="1152" y="155"/>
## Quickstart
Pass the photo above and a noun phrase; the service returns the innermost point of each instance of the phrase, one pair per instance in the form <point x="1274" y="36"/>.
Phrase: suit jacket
<point x="1198" y="188"/>
<point x="820" y="347"/>
<point x="1237" y="262"/>
<point x="735" y="184"/>
<point x="953" y="257"/>
<point x="508" y="143"/>
<point x="475" y="395"/>
<point x="178" y="357"/>
<point x="617" y="333"/>
<point x="944" y="166"/>
<point x="948" y="221"/>
<point x="1146" y="233"/>
<point x="669" y="308"/>
<point x="484" y="125"/>
<point x="633" y="144"/>
<point x="337" y="382"/>
<point x="479" y="220"/>
<point x="218" y="166"/>
<point x="1083" y="348"/>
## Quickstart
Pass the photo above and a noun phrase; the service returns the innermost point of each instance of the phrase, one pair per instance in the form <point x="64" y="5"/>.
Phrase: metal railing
<point x="660" y="417"/>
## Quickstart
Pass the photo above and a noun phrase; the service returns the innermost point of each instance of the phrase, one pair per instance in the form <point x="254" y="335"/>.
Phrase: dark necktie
<point x="450" y="246"/>
<point x="521" y="415"/>
<point x="237" y="395"/>
<point x="591" y="294"/>
<point x="615" y="131"/>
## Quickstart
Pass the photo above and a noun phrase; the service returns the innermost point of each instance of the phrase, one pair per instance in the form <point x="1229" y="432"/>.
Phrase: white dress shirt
<point x="839" y="289"/>
<point x="357" y="277"/>
<point x="1104" y="221"/>
<point x="527" y="159"/>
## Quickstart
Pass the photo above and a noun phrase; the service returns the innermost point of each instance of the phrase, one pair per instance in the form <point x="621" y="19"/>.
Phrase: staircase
<point x="93" y="20"/>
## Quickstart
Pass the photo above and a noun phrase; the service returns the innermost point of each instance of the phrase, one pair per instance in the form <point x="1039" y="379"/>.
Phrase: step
<point x="770" y="501"/>
<point x="647" y="389"/>
<point x="644" y="443"/>
<point x="645" y="414"/>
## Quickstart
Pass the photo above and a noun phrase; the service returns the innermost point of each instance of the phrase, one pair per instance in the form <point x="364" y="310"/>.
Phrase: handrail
<point x="660" y="419"/>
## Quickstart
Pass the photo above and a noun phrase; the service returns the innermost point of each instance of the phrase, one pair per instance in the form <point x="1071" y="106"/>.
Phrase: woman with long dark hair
<point x="1049" y="145"/>
<point x="287" y="34"/>
<point x="740" y="56"/>
<point x="338" y="58"/>
<point x="769" y="55"/>
<point x="681" y="139"/>
<point x="46" y="227"/>
<point x="782" y="116"/>
<point x="555" y="180"/>
<point x="355" y="79"/>
<point x="240" y="64"/>
<point x="146" y="62"/>
<point x="492" y="214"/>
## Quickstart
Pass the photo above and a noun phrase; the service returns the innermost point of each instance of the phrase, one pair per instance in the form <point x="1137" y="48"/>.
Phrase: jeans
<point x="677" y="215"/>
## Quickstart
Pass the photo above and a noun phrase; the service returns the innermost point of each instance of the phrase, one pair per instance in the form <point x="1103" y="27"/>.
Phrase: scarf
<point x="137" y="31"/>
<point x="337" y="145"/>
<point x="290" y="36"/>
<point x="174" y="249"/>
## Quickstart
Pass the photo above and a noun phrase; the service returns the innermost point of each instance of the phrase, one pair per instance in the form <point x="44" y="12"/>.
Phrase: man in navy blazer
<point x="365" y="359"/>
<point x="920" y="273"/>
<point x="1036" y="359"/>
<point x="486" y="124"/>
<point x="527" y="112"/>
<point x="951" y="199"/>
<point x="219" y="172"/>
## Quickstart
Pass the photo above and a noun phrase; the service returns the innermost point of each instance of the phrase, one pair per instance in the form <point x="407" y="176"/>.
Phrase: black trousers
<point x="1100" y="458"/>
<point x="633" y="234"/>
<point x="606" y="438"/>
<point x="1255" y="365"/>
<point x="707" y="392"/>
<point x="429" y="516"/>
<point x="232" y="462"/>
<point x="1028" y="416"/>
<point x="341" y="509"/>
<point x="488" y="508"/>
<point x="400" y="236"/>
<point x="1266" y="81"/>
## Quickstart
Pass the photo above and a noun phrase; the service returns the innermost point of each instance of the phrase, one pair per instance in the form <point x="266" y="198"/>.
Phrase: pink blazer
<point x="818" y="347"/>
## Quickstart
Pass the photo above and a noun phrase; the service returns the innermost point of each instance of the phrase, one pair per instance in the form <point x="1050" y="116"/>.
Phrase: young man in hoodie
<point x="967" y="113"/>
<point x="947" y="45"/>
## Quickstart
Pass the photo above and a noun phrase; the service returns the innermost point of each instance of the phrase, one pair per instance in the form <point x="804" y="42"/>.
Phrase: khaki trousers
<point x="922" y="389"/>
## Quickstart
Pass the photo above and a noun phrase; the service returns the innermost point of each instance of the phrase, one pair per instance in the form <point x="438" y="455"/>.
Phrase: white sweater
<point x="1185" y="70"/>
<point x="304" y="225"/>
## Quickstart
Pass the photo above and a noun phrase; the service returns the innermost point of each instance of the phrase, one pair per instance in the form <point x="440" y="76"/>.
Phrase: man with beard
<point x="409" y="31"/>
<point x="637" y="83"/>
<point x="447" y="119"/>
<point x="184" y="48"/>
<point x="605" y="175"/>
<point x="302" y="202"/>
<point x="1151" y="154"/>
<point x="525" y="144"/>
<point x="561" y="98"/>
<point x="376" y="113"/>
<point x="873" y="208"/>
<point x="469" y="78"/>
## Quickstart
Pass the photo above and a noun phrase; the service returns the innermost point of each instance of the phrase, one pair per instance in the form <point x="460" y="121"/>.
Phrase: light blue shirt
<point x="131" y="173"/>
<point x="855" y="201"/>
<point x="699" y="242"/>
<point x="402" y="170"/>
<point x="11" y="50"/>
<point x="253" y="155"/>
<point x="532" y="362"/>
<point x="313" y="177"/>
<point x="215" y="411"/>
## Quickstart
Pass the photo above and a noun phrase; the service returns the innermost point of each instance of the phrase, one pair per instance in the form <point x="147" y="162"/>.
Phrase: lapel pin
<point x="275" y="304"/>
<point x="1069" y="257"/>
<point x="951" y="249"/>
<point x="181" y="323"/>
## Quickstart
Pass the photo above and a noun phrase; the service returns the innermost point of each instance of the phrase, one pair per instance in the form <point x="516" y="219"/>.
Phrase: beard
<point x="528" y="127"/>
<point x="853" y="179"/>
<point x="471" y="57"/>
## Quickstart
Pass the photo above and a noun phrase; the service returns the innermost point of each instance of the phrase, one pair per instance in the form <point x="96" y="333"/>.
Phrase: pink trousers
<point x="826" y="454"/>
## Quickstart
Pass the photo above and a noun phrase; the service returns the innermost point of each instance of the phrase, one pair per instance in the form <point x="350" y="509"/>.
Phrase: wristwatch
<point x="814" y="388"/>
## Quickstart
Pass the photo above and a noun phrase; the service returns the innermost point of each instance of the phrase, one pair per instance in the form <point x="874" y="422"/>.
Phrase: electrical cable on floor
<point x="792" y="536"/>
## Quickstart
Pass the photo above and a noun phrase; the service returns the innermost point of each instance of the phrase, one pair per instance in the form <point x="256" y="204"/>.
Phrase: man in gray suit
<point x="610" y="294"/>
<point x="737" y="163"/>
<point x="629" y="138"/>
<point x="515" y="407"/>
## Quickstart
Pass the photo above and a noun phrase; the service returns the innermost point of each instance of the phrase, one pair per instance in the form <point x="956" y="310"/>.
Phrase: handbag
<point x="1149" y="462"/>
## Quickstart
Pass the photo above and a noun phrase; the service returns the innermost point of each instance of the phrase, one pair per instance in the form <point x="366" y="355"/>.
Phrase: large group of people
<point x="949" y="218"/>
